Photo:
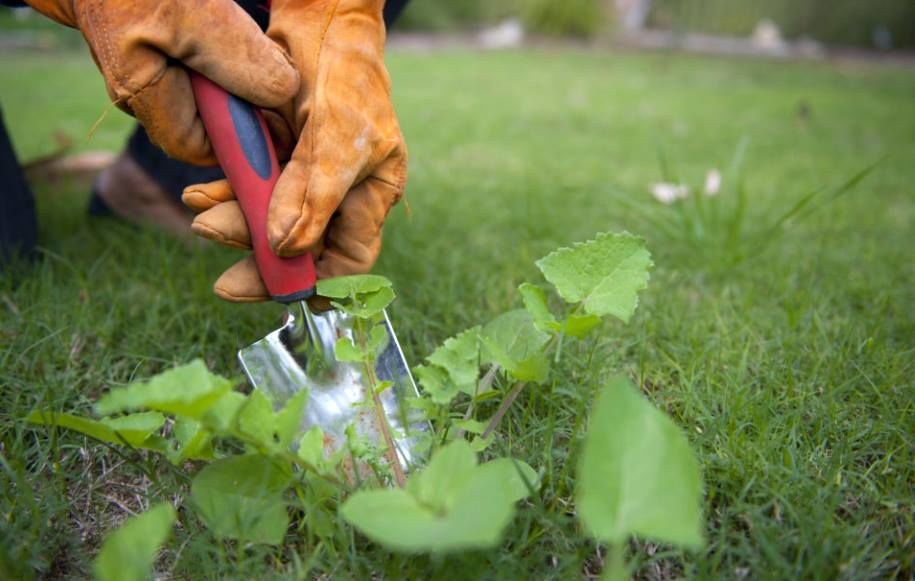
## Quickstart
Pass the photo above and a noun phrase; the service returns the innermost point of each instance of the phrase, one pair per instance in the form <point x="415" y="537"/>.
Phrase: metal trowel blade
<point x="300" y="355"/>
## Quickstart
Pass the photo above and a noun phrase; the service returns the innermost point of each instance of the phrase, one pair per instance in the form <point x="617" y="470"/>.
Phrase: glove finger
<point x="201" y="197"/>
<point x="167" y="111"/>
<point x="307" y="194"/>
<point x="241" y="283"/>
<point x="219" y="40"/>
<point x="353" y="239"/>
<point x="225" y="224"/>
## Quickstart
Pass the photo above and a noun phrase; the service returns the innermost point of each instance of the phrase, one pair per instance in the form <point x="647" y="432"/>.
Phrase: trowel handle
<point x="245" y="151"/>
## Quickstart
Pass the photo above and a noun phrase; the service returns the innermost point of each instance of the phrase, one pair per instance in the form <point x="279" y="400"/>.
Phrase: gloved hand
<point x="142" y="47"/>
<point x="347" y="159"/>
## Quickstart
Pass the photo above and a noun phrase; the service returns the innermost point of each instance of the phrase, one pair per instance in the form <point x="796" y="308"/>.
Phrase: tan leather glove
<point x="347" y="159"/>
<point x="142" y="47"/>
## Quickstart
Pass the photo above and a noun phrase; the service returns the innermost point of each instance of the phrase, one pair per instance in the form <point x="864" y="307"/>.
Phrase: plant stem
<point x="616" y="568"/>
<point x="503" y="408"/>
<point x="380" y="418"/>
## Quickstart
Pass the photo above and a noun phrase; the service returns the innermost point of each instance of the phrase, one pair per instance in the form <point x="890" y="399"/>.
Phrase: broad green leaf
<point x="190" y="441"/>
<point x="345" y="350"/>
<point x="311" y="447"/>
<point x="128" y="553"/>
<point x="460" y="357"/>
<point x="369" y="305"/>
<point x="189" y="390"/>
<point x="289" y="419"/>
<point x="136" y="430"/>
<point x="453" y="505"/>
<point x="472" y="426"/>
<point x="256" y="420"/>
<point x="345" y="287"/>
<point x="454" y="367"/>
<point x="480" y="443"/>
<point x="438" y="485"/>
<point x="506" y="473"/>
<point x="435" y="381"/>
<point x="535" y="302"/>
<point x="378" y="340"/>
<point x="579" y="325"/>
<point x="221" y="417"/>
<point x="512" y="341"/>
<point x="241" y="497"/>
<point x="637" y="474"/>
<point x="604" y="274"/>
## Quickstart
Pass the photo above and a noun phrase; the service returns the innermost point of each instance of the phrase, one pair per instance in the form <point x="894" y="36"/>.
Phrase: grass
<point x="790" y="368"/>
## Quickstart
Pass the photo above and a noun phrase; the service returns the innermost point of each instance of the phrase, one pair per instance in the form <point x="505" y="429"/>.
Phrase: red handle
<point x="245" y="152"/>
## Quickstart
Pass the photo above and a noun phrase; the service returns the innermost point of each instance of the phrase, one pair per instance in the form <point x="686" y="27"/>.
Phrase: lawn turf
<point x="786" y="358"/>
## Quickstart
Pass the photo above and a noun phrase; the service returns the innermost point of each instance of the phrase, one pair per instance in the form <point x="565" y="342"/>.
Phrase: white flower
<point x="712" y="182"/>
<point x="668" y="193"/>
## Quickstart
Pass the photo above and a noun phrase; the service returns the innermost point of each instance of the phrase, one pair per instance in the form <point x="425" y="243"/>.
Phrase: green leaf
<point x="579" y="325"/>
<point x="637" y="474"/>
<point x="128" y="553"/>
<point x="189" y="390"/>
<point x="288" y="420"/>
<point x="604" y="274"/>
<point x="368" y="305"/>
<point x="435" y="381"/>
<point x="346" y="350"/>
<point x="453" y="505"/>
<point x="535" y="302"/>
<point x="347" y="287"/>
<point x="311" y="447"/>
<point x="241" y="497"/>
<point x="454" y="367"/>
<point x="256" y="420"/>
<point x="221" y="417"/>
<point x="512" y="341"/>
<point x="190" y="440"/>
<point x="362" y="295"/>
<point x="135" y="429"/>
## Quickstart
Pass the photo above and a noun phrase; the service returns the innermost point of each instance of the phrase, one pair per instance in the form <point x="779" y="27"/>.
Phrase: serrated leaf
<point x="435" y="381"/>
<point x="345" y="287"/>
<point x="460" y="357"/>
<point x="453" y="367"/>
<point x="129" y="552"/>
<point x="188" y="390"/>
<point x="637" y="474"/>
<point x="512" y="341"/>
<point x="378" y="340"/>
<point x="453" y="505"/>
<point x="346" y="350"/>
<point x="240" y="497"/>
<point x="135" y="429"/>
<point x="604" y="274"/>
<point x="535" y="302"/>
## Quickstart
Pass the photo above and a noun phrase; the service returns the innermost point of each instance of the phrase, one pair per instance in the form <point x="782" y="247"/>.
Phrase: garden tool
<point x="300" y="353"/>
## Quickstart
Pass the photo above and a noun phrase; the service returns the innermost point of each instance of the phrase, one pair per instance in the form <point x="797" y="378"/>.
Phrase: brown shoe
<point x="131" y="194"/>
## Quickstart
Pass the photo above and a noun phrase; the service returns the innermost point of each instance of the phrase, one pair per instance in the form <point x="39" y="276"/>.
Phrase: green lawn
<point x="785" y="355"/>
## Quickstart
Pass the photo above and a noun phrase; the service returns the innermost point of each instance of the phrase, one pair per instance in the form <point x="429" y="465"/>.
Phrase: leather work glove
<point x="347" y="162"/>
<point x="142" y="47"/>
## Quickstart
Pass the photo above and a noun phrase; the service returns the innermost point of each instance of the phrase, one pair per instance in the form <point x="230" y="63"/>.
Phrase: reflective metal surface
<point x="300" y="354"/>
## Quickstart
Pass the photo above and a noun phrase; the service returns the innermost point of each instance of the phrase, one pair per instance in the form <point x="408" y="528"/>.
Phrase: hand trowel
<point x="300" y="354"/>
